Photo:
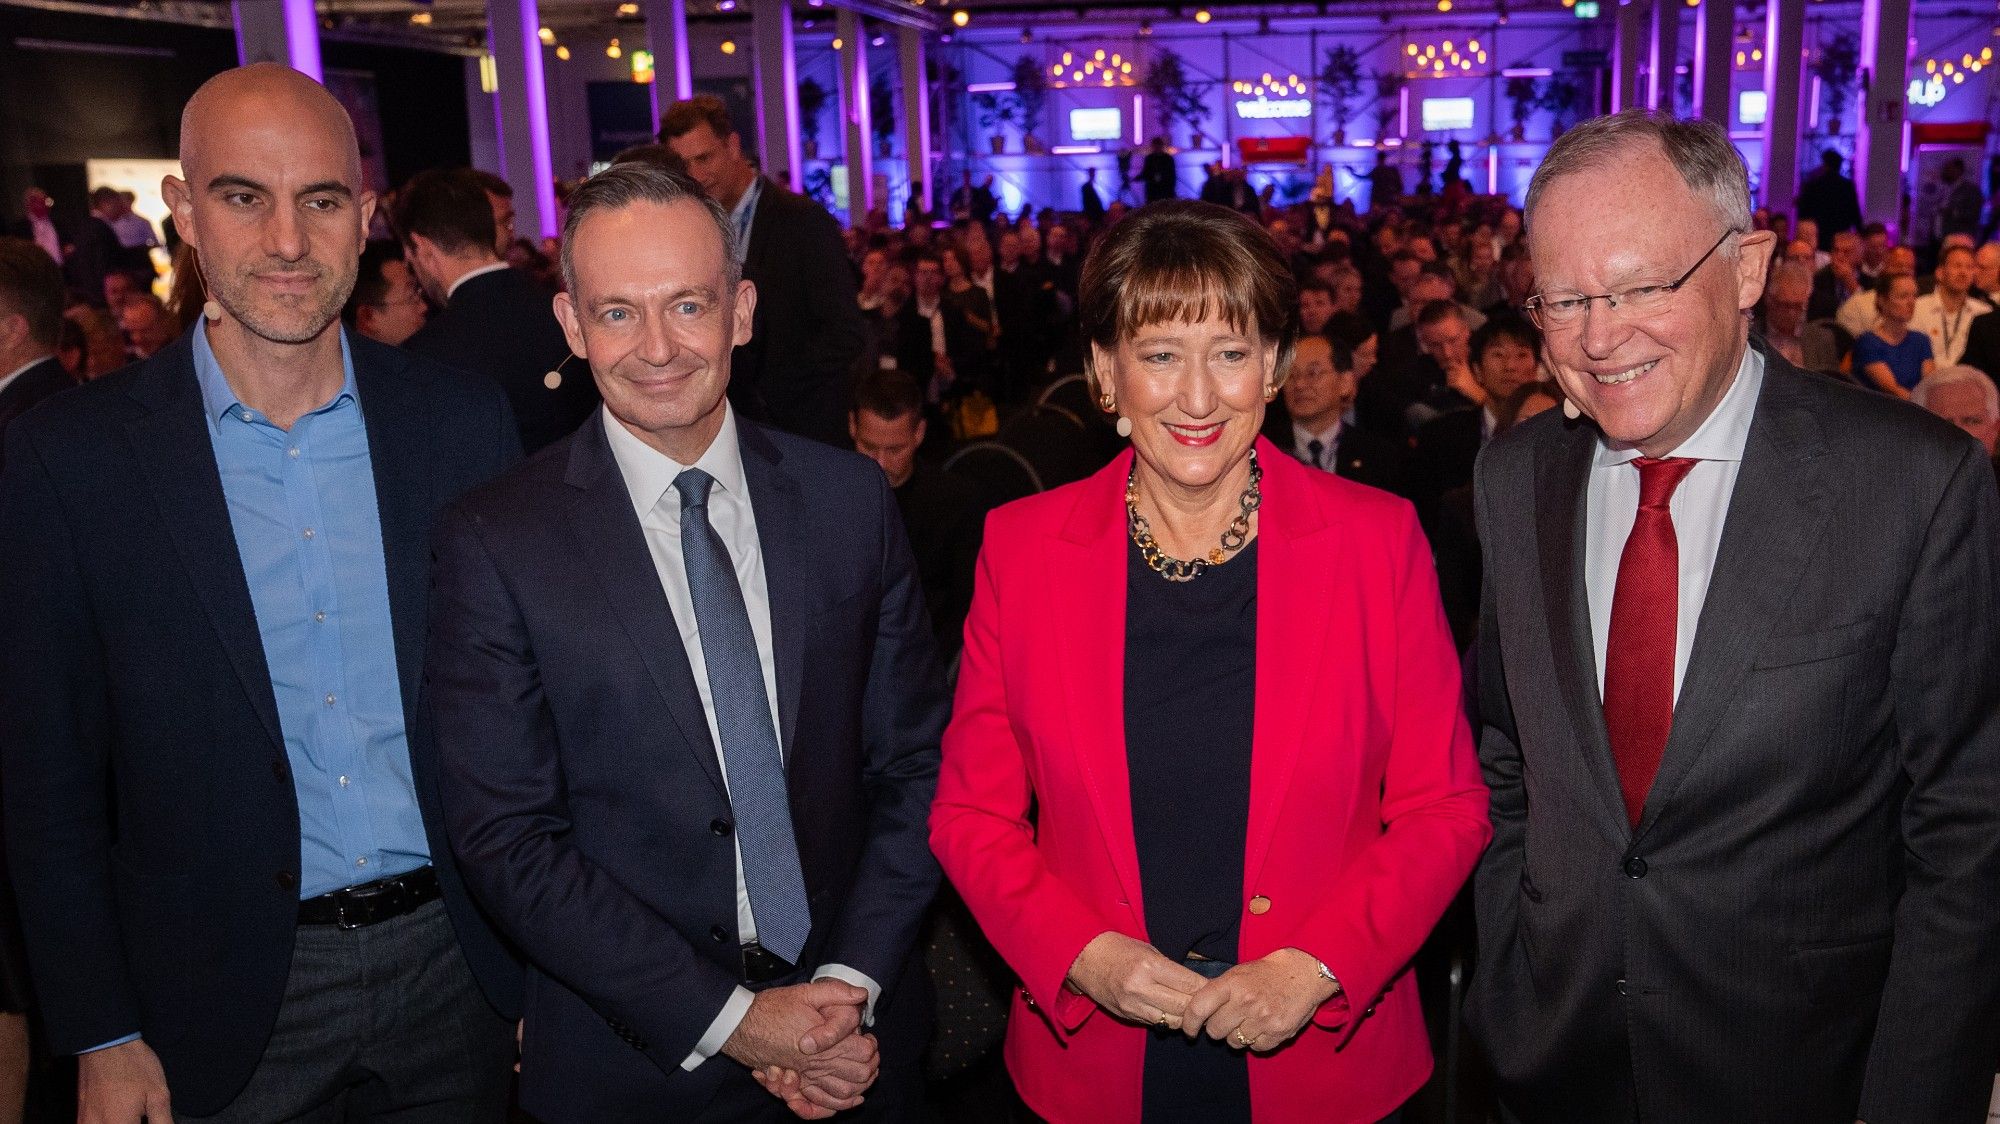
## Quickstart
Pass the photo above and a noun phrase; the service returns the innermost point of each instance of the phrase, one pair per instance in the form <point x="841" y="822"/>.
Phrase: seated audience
<point x="1316" y="422"/>
<point x="1892" y="356"/>
<point x="1812" y="345"/>
<point x="940" y="512"/>
<point x="1947" y="311"/>
<point x="1965" y="397"/>
<point x="1858" y="314"/>
<point x="146" y="324"/>
<point x="1839" y="279"/>
<point x="386" y="305"/>
<point x="1505" y="356"/>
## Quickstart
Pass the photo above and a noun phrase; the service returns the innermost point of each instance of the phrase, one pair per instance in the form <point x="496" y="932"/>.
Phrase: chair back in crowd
<point x="1000" y="474"/>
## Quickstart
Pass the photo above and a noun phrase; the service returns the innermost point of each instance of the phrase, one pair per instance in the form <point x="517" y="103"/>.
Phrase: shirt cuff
<point x="737" y="1006"/>
<point x="133" y="1037"/>
<point x="847" y="975"/>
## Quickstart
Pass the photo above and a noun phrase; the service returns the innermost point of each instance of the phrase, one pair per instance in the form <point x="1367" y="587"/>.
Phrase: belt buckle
<point x="340" y="918"/>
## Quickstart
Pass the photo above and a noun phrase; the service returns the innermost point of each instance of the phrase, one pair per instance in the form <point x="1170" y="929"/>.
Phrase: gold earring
<point x="1107" y="402"/>
<point x="1270" y="392"/>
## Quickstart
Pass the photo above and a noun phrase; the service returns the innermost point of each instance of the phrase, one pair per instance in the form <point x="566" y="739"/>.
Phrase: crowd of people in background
<point x="947" y="348"/>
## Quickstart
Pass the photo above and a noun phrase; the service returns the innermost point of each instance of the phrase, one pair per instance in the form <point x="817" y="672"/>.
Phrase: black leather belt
<point x="762" y="966"/>
<point x="372" y="903"/>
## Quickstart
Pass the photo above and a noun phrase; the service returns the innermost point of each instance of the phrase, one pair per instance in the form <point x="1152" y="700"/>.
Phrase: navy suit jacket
<point x="584" y="794"/>
<point x="150" y="814"/>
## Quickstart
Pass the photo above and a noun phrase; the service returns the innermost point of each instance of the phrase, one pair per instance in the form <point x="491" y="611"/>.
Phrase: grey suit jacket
<point x="1805" y="925"/>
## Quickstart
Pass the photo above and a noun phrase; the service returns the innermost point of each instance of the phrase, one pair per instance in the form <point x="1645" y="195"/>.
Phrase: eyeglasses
<point x="1559" y="310"/>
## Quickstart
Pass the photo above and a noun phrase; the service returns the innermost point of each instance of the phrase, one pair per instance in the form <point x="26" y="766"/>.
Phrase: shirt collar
<point x="219" y="399"/>
<point x="649" y="474"/>
<point x="1726" y="431"/>
<point x="469" y="274"/>
<point x="7" y="379"/>
<point x="744" y="212"/>
<point x="1327" y="439"/>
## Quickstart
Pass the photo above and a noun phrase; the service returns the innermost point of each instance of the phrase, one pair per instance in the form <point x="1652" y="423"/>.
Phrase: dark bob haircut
<point x="1181" y="261"/>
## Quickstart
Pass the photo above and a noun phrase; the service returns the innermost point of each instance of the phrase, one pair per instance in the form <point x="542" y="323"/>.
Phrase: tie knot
<point x="693" y="485"/>
<point x="1659" y="476"/>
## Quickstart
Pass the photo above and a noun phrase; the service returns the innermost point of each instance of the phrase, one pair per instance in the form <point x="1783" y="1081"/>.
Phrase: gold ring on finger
<point x="1242" y="1041"/>
<point x="1162" y="1022"/>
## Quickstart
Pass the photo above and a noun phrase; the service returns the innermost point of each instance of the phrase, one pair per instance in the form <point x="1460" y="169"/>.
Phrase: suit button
<point x="1635" y="867"/>
<point x="719" y="934"/>
<point x="288" y="880"/>
<point x="720" y="827"/>
<point x="1260" y="905"/>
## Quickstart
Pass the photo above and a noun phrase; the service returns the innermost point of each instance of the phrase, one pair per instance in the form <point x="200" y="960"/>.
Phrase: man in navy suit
<point x="221" y="819"/>
<point x="690" y="782"/>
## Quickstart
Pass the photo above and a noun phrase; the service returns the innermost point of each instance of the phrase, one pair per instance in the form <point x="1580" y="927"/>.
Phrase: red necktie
<point x="1639" y="654"/>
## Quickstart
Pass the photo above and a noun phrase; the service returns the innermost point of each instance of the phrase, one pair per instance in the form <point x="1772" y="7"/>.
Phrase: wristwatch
<point x="1326" y="974"/>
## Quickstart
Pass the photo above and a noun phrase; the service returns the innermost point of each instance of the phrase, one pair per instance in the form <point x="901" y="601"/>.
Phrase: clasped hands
<point x="804" y="1045"/>
<point x="1258" y="1005"/>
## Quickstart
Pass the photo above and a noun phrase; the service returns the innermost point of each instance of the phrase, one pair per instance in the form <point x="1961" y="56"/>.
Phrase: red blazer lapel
<point x="1294" y="602"/>
<point x="1089" y="576"/>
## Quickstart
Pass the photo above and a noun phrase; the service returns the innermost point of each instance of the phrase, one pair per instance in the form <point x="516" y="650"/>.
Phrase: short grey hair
<point x="1930" y="384"/>
<point x="1699" y="150"/>
<point x="621" y="186"/>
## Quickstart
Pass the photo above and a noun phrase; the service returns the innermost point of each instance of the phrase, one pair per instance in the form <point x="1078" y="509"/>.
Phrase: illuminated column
<point x="1878" y="142"/>
<point x="667" y="38"/>
<point x="854" y="116"/>
<point x="283" y="31"/>
<point x="776" y="79"/>
<point x="916" y="114"/>
<point x="521" y="112"/>
<point x="1664" y="55"/>
<point x="1629" y="49"/>
<point x="1714" y="29"/>
<point x="1784" y="34"/>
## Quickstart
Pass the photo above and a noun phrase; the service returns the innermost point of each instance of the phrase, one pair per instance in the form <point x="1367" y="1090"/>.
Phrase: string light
<point x="562" y="52"/>
<point x="961" y="17"/>
<point x="613" y="51"/>
<point x="421" y="19"/>
<point x="729" y="46"/>
<point x="628" y="9"/>
<point x="548" y="37"/>
<point x="1201" y="15"/>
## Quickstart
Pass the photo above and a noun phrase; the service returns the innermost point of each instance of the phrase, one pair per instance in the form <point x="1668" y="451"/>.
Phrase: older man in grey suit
<point x="1739" y="667"/>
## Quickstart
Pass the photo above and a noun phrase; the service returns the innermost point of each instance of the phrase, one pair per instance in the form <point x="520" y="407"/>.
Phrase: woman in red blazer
<point x="1207" y="809"/>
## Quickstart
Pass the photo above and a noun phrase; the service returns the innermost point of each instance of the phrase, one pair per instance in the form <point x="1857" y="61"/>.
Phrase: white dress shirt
<point x="1329" y="445"/>
<point x="46" y="236"/>
<point x="1698" y="508"/>
<point x="1857" y="313"/>
<point x="1947" y="331"/>
<point x="7" y="379"/>
<point x="649" y="479"/>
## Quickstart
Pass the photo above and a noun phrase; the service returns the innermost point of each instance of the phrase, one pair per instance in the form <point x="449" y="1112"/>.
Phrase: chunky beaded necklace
<point x="1178" y="570"/>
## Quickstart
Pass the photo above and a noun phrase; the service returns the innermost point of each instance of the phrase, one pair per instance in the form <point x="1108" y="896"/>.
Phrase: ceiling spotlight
<point x="612" y="50"/>
<point x="548" y="37"/>
<point x="729" y="46"/>
<point x="562" y="52"/>
<point x="1201" y="15"/>
<point x="960" y="18"/>
<point x="839" y="43"/>
<point x="878" y="41"/>
<point x="1444" y="5"/>
<point x="628" y="9"/>
<point x="421" y="19"/>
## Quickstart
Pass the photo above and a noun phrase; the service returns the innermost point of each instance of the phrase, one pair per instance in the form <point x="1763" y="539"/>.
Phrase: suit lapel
<point x="781" y="525"/>
<point x="613" y="544"/>
<point x="1089" y="554"/>
<point x="1561" y="488"/>
<point x="1294" y="604"/>
<point x="1777" y="515"/>
<point x="400" y="449"/>
<point x="178" y="464"/>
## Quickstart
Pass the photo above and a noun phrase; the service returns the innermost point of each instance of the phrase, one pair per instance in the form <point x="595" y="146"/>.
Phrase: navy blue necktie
<point x="750" y="755"/>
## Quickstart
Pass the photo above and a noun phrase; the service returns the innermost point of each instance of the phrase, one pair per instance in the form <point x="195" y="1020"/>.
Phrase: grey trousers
<point x="379" y="1024"/>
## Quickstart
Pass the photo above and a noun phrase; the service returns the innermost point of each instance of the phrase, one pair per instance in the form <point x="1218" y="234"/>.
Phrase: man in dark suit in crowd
<point x="694" y="789"/>
<point x="1506" y="355"/>
<point x="387" y="304"/>
<point x="793" y="372"/>
<point x="941" y="512"/>
<point x="1829" y="199"/>
<point x="94" y="250"/>
<point x="220" y="813"/>
<point x="1024" y="298"/>
<point x="31" y="320"/>
<point x="1316" y="423"/>
<point x="1739" y="678"/>
<point x="491" y="320"/>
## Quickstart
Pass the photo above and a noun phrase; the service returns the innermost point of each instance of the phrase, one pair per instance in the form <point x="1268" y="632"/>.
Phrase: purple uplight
<point x="538" y="116"/>
<point x="302" y="38"/>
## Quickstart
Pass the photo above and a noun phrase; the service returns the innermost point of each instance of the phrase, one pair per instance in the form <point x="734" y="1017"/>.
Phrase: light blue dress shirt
<point x="302" y="504"/>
